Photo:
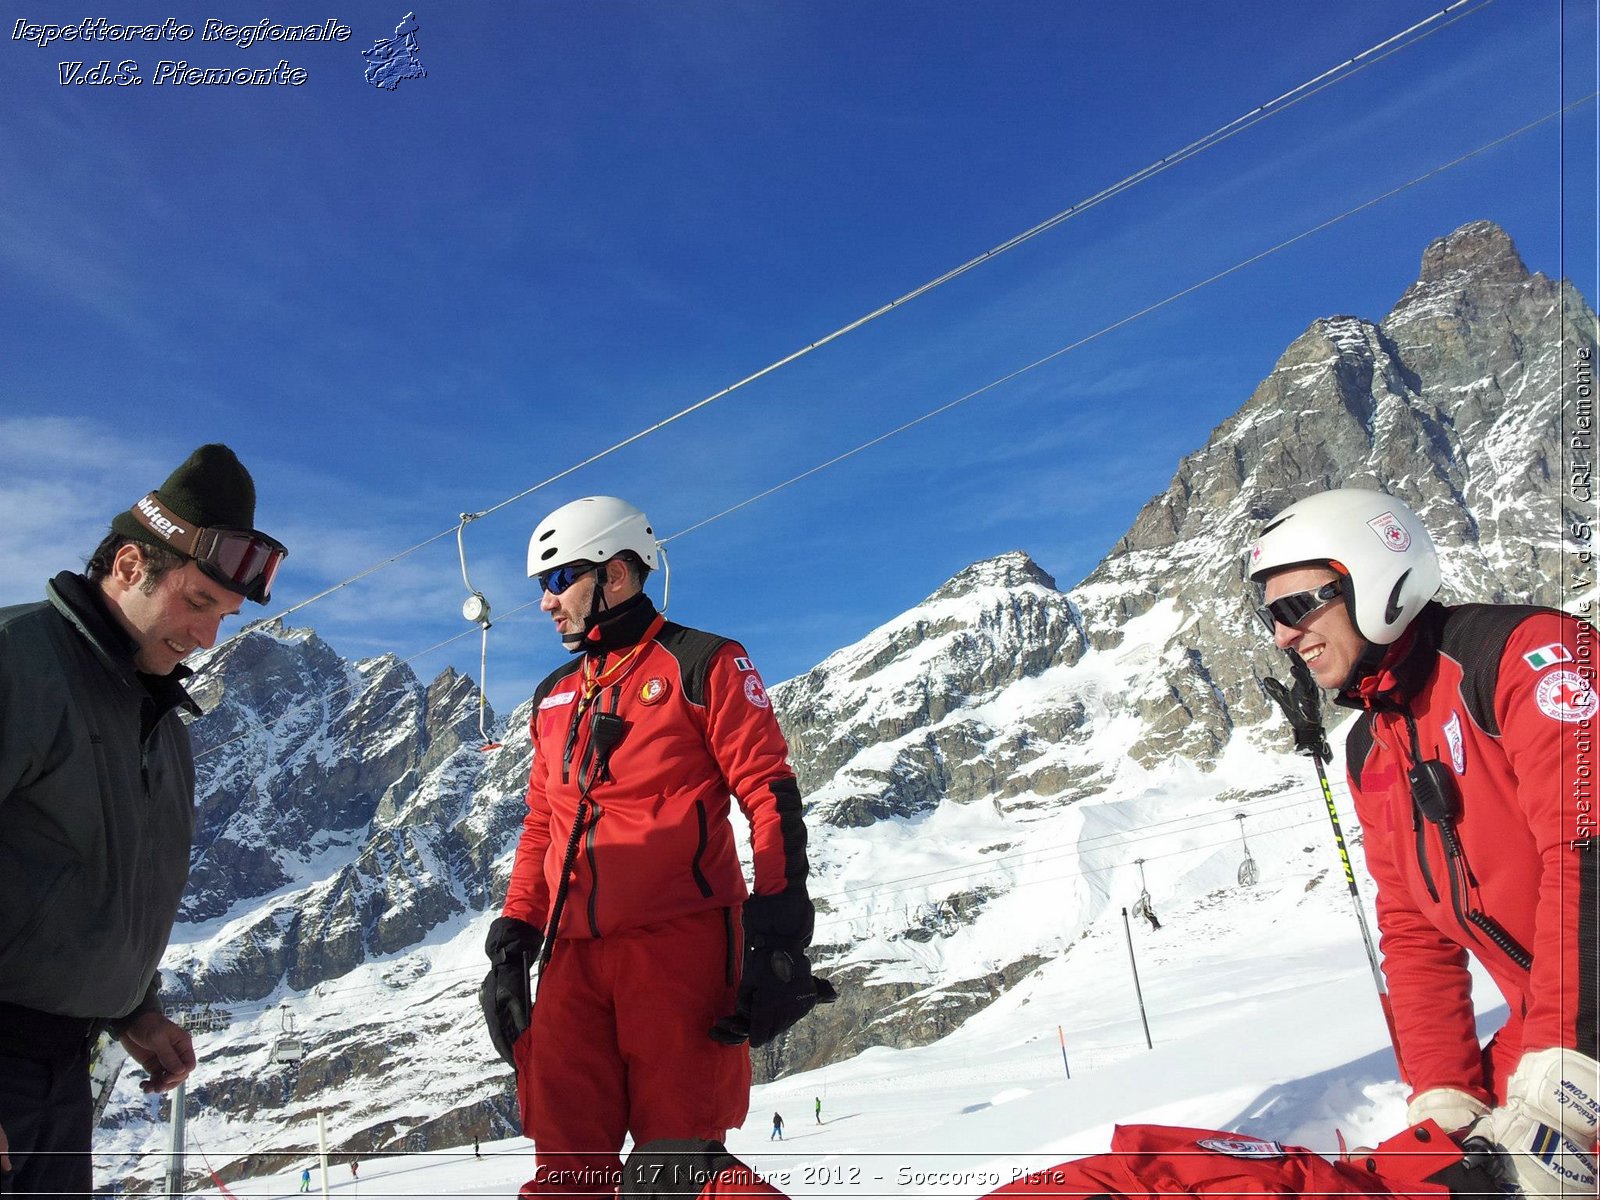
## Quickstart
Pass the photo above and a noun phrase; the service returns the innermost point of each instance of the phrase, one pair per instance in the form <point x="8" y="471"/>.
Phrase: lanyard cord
<point x="606" y="730"/>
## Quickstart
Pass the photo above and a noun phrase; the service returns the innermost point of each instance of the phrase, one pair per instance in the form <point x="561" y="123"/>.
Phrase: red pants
<point x="620" y="1044"/>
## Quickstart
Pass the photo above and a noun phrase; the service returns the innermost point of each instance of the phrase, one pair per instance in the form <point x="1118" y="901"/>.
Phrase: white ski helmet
<point x="594" y="529"/>
<point x="1373" y="541"/>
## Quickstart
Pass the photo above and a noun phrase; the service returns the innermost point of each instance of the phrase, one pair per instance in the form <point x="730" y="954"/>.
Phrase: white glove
<point x="1450" y="1108"/>
<point x="1546" y="1127"/>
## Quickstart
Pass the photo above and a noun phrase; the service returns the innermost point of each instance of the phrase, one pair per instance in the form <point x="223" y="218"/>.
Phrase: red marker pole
<point x="1062" y="1038"/>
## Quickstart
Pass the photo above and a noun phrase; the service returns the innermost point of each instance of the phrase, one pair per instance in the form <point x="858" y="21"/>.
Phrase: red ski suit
<point x="1502" y="697"/>
<point x="1146" y="1161"/>
<point x="648" y="951"/>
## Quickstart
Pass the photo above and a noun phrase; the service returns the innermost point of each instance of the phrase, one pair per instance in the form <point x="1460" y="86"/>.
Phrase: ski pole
<point x="1361" y="913"/>
<point x="1302" y="706"/>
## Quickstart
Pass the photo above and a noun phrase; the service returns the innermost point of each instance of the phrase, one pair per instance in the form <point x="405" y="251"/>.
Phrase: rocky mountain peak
<point x="1013" y="569"/>
<point x="1475" y="269"/>
<point x="1480" y="249"/>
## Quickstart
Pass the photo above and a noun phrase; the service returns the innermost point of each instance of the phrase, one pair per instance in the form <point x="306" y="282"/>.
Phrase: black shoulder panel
<point x="1475" y="636"/>
<point x="547" y="685"/>
<point x="694" y="650"/>
<point x="1357" y="746"/>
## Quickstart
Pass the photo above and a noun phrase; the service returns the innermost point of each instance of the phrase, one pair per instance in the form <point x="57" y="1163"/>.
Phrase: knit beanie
<point x="211" y="489"/>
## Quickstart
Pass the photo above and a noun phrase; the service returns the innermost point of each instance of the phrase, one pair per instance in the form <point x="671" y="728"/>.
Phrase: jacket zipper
<point x="1473" y="920"/>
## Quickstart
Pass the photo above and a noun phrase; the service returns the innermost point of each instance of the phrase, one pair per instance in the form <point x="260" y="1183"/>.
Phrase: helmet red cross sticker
<point x="1394" y="535"/>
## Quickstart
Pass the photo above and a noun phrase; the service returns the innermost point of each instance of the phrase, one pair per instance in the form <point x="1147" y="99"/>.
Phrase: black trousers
<point x="47" y="1116"/>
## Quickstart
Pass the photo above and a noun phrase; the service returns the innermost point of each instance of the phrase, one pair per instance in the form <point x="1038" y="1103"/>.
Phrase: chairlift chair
<point x="1249" y="874"/>
<point x="288" y="1047"/>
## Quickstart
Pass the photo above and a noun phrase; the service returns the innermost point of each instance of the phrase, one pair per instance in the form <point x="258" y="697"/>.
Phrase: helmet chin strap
<point x="577" y="643"/>
<point x="1365" y="666"/>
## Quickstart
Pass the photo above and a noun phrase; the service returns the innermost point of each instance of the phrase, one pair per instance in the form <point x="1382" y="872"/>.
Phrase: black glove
<point x="777" y="987"/>
<point x="512" y="947"/>
<point x="673" y="1169"/>
<point x="1303" y="707"/>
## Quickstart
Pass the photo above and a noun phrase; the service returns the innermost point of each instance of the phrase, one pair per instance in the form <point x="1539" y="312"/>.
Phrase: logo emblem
<point x="557" y="700"/>
<point x="743" y="664"/>
<point x="1395" y="535"/>
<point x="755" y="693"/>
<point x="1547" y="656"/>
<point x="654" y="690"/>
<point x="392" y="59"/>
<point x="1242" y="1147"/>
<point x="1458" y="748"/>
<point x="1564" y="696"/>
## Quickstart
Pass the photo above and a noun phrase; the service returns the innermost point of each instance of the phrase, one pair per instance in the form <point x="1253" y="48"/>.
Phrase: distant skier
<point x="353" y="1165"/>
<point x="819" y="1110"/>
<point x="476" y="1152"/>
<point x="777" y="1127"/>
<point x="305" y="1180"/>
<point x="1476" y="733"/>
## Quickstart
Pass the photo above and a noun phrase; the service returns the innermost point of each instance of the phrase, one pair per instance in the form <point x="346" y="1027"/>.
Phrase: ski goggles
<point x="559" y="579"/>
<point x="1297" y="606"/>
<point x="241" y="560"/>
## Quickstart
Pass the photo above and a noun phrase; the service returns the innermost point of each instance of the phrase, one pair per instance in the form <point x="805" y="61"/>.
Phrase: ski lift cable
<point x="1100" y="842"/>
<point x="883" y="437"/>
<point x="830" y="919"/>
<point x="889" y="887"/>
<point x="1369" y="57"/>
<point x="1129" y="319"/>
<point x="826" y="922"/>
<point x="826" y="925"/>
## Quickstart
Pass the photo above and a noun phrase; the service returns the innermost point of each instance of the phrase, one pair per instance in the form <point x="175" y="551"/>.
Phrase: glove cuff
<point x="511" y="935"/>
<point x="786" y="919"/>
<point x="1449" y="1108"/>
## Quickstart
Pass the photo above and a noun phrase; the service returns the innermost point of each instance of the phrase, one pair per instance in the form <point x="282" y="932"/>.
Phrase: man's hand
<point x="777" y="987"/>
<point x="506" y="994"/>
<point x="1450" y="1108"/>
<point x="1302" y="705"/>
<point x="163" y="1048"/>
<point x="1545" y="1130"/>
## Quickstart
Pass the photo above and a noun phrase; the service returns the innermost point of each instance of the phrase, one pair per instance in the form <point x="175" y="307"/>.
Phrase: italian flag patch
<point x="1547" y="656"/>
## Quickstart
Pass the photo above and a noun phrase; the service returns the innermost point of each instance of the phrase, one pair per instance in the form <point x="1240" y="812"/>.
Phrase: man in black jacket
<point x="97" y="802"/>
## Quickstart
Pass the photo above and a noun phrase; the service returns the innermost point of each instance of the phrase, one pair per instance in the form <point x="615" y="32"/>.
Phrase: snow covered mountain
<point x="991" y="777"/>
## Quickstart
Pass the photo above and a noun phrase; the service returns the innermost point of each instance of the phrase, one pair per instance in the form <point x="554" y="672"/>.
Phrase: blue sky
<point x="402" y="305"/>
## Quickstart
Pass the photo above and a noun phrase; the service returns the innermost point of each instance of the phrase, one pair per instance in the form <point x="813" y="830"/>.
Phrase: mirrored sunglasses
<point x="1297" y="606"/>
<point x="559" y="579"/>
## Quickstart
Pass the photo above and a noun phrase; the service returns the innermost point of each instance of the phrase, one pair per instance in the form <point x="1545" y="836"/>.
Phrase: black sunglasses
<point x="559" y="579"/>
<point x="1297" y="606"/>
